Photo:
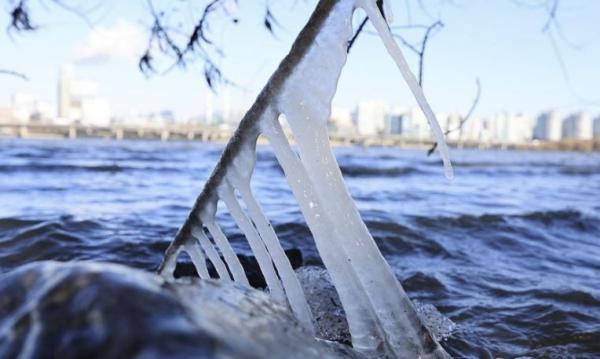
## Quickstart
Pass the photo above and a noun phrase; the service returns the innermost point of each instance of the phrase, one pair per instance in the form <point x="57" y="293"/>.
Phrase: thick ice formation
<point x="381" y="318"/>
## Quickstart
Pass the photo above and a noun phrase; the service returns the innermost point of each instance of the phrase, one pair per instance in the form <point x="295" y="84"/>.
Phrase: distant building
<point x="508" y="128"/>
<point x="472" y="129"/>
<point x="415" y="125"/>
<point x="340" y="121"/>
<point x="23" y="106"/>
<point x="209" y="108"/>
<point x="43" y="112"/>
<point x="577" y="126"/>
<point x="64" y="91"/>
<point x="393" y="123"/>
<point x="548" y="127"/>
<point x="450" y="123"/>
<point x="78" y="101"/>
<point x="6" y="115"/>
<point x="597" y="127"/>
<point x="369" y="118"/>
<point x="94" y="112"/>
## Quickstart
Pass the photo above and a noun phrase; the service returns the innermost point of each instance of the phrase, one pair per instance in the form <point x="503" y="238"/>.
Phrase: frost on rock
<point x="439" y="325"/>
<point x="380" y="317"/>
<point x="330" y="319"/>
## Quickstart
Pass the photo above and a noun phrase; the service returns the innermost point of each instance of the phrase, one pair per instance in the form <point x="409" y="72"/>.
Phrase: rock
<point x="330" y="317"/>
<point x="328" y="313"/>
<point x="96" y="310"/>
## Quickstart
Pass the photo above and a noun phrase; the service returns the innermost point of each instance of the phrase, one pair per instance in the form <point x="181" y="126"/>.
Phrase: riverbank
<point x="221" y="135"/>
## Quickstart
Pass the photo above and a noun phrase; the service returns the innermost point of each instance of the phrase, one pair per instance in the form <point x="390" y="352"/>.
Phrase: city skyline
<point x="78" y="102"/>
<point x="216" y="107"/>
<point x="108" y="52"/>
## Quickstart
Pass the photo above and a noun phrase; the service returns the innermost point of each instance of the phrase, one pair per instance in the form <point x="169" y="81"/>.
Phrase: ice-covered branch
<point x="380" y="316"/>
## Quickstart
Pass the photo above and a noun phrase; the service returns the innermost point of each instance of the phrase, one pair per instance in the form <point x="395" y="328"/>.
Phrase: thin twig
<point x="422" y="46"/>
<point x="83" y="15"/>
<point x="14" y="73"/>
<point x="362" y="26"/>
<point x="463" y="119"/>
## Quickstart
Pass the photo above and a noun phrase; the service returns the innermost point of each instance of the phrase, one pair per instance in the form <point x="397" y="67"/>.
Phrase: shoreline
<point x="212" y="134"/>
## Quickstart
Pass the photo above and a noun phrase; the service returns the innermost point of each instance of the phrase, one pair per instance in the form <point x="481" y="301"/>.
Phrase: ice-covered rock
<point x="329" y="314"/>
<point x="93" y="310"/>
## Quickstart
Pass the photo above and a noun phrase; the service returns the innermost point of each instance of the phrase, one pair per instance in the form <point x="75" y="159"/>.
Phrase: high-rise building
<point x="472" y="129"/>
<point x="226" y="112"/>
<point x="548" y="126"/>
<point x="64" y="91"/>
<point x="508" y="128"/>
<point x="450" y="124"/>
<point x="393" y="123"/>
<point x="415" y="125"/>
<point x="577" y="126"/>
<point x="209" y="108"/>
<point x="78" y="100"/>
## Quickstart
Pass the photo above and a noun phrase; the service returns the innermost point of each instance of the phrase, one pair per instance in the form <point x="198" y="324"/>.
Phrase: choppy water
<point x="509" y="250"/>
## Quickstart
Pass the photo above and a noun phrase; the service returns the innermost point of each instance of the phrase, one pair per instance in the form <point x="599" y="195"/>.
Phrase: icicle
<point x="193" y="249"/>
<point x="365" y="335"/>
<point x="389" y="15"/>
<point x="380" y="315"/>
<point x="260" y="252"/>
<point x="239" y="176"/>
<point x="291" y="285"/>
<point x="167" y="268"/>
<point x="233" y="262"/>
<point x="212" y="254"/>
<point x="394" y="50"/>
<point x="306" y="101"/>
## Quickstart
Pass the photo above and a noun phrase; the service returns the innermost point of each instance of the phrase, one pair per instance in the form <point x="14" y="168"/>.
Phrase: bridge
<point x="118" y="132"/>
<point x="208" y="133"/>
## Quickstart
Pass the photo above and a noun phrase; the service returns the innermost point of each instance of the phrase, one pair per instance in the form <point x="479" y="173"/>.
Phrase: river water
<point x="509" y="250"/>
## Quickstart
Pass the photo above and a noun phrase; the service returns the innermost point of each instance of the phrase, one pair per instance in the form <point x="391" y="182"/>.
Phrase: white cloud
<point x="121" y="41"/>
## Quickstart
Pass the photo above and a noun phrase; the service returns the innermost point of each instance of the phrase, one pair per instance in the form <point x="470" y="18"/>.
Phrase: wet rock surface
<point x="93" y="310"/>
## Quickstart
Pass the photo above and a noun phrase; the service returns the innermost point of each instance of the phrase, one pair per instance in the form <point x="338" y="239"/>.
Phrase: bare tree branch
<point x="463" y="119"/>
<point x="362" y="26"/>
<point x="14" y="73"/>
<point x="420" y="48"/>
<point x="19" y="18"/>
<point x="82" y="14"/>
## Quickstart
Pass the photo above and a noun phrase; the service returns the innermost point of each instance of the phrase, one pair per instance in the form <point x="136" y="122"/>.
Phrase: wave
<point x="65" y="238"/>
<point x="69" y="168"/>
<point x="40" y="167"/>
<point x="577" y="218"/>
<point x="524" y="167"/>
<point x="370" y="171"/>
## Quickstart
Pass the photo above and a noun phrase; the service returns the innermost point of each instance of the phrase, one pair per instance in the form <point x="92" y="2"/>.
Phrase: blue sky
<point x="500" y="41"/>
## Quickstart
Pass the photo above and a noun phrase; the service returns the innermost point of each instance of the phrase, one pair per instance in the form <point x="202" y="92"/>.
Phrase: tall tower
<point x="64" y="91"/>
<point x="208" y="110"/>
<point x="226" y="105"/>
